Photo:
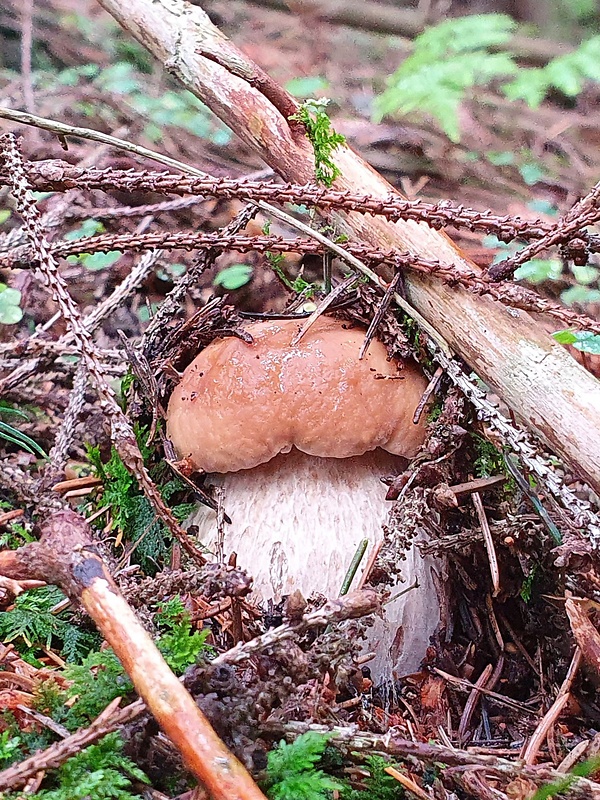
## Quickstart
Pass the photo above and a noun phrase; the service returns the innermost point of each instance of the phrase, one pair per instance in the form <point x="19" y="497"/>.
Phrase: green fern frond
<point x="181" y="645"/>
<point x="292" y="773"/>
<point x="566" y="74"/>
<point x="100" y="771"/>
<point x="450" y="58"/>
<point x="30" y="624"/>
<point x="447" y="60"/>
<point x="132" y="513"/>
<point x="95" y="683"/>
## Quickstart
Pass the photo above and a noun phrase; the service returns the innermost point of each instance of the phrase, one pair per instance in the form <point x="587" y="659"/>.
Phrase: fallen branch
<point x="65" y="555"/>
<point x="352" y="739"/>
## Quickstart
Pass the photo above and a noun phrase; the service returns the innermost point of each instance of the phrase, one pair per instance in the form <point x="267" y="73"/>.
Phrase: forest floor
<point x="506" y="699"/>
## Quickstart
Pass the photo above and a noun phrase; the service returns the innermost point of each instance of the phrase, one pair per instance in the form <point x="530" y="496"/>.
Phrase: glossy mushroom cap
<point x="239" y="405"/>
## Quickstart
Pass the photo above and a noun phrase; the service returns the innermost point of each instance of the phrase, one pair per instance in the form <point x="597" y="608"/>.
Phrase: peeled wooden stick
<point x="66" y="556"/>
<point x="545" y="387"/>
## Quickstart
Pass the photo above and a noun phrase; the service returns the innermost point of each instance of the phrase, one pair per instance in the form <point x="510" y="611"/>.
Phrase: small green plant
<point x="322" y="137"/>
<point x="276" y="262"/>
<point x="585" y="341"/>
<point x="92" y="261"/>
<point x="565" y="74"/>
<point x="292" y="772"/>
<point x="31" y="625"/>
<point x="447" y="60"/>
<point x="101" y="771"/>
<point x="10" y="305"/>
<point x="9" y="747"/>
<point x="379" y="785"/>
<point x="15" y="534"/>
<point x="96" y="261"/>
<point x="489" y="460"/>
<point x="132" y="514"/>
<point x="180" y="645"/>
<point x="128" y="78"/>
<point x="234" y="277"/>
<point x="94" y="684"/>
<point x="457" y="55"/>
<point x="13" y="435"/>
<point x="538" y="270"/>
<point x="559" y="788"/>
<point x="527" y="585"/>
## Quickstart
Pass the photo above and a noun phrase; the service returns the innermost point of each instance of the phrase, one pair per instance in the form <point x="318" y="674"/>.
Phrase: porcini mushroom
<point x="299" y="437"/>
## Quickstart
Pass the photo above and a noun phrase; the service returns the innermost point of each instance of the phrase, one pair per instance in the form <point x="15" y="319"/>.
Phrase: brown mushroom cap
<point x="239" y="405"/>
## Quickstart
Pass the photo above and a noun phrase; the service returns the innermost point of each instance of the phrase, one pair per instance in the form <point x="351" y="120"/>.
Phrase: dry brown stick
<point x="543" y="384"/>
<point x="550" y="717"/>
<point x="585" y="633"/>
<point x="351" y="606"/>
<point x="122" y="432"/>
<point x="64" y="438"/>
<point x="65" y="555"/>
<point x="489" y="542"/>
<point x="57" y="175"/>
<point x="472" y="701"/>
<point x="408" y="783"/>
<point x="437" y="215"/>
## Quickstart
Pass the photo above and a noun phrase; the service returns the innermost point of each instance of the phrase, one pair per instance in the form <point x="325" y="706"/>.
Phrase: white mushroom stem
<point x="296" y="524"/>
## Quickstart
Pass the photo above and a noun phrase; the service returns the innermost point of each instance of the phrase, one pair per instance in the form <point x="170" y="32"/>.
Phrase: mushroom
<point x="299" y="436"/>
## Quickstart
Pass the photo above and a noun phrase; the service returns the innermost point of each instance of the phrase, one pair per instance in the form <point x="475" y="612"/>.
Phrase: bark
<point x="537" y="378"/>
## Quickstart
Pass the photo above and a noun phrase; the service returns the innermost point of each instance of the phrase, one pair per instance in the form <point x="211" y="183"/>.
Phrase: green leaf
<point x="586" y="341"/>
<point x="531" y="173"/>
<point x="234" y="277"/>
<point x="101" y="772"/>
<point x="4" y="215"/>
<point x="564" y="75"/>
<point x="580" y="294"/>
<point x="472" y="32"/>
<point x="10" y="311"/>
<point x="23" y="441"/>
<point x="501" y="159"/>
<point x="119" y="78"/>
<point x="9" y="747"/>
<point x="10" y="315"/>
<point x="434" y="80"/>
<point x="541" y="206"/>
<point x="89" y="227"/>
<point x="539" y="269"/>
<point x="97" y="261"/>
<point x="292" y="773"/>
<point x="565" y="337"/>
<point x="530" y="85"/>
<point x="31" y="621"/>
<point x="95" y="683"/>
<point x="585" y="273"/>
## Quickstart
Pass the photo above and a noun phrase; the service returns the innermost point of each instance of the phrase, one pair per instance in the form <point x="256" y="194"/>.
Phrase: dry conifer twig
<point x="121" y="431"/>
